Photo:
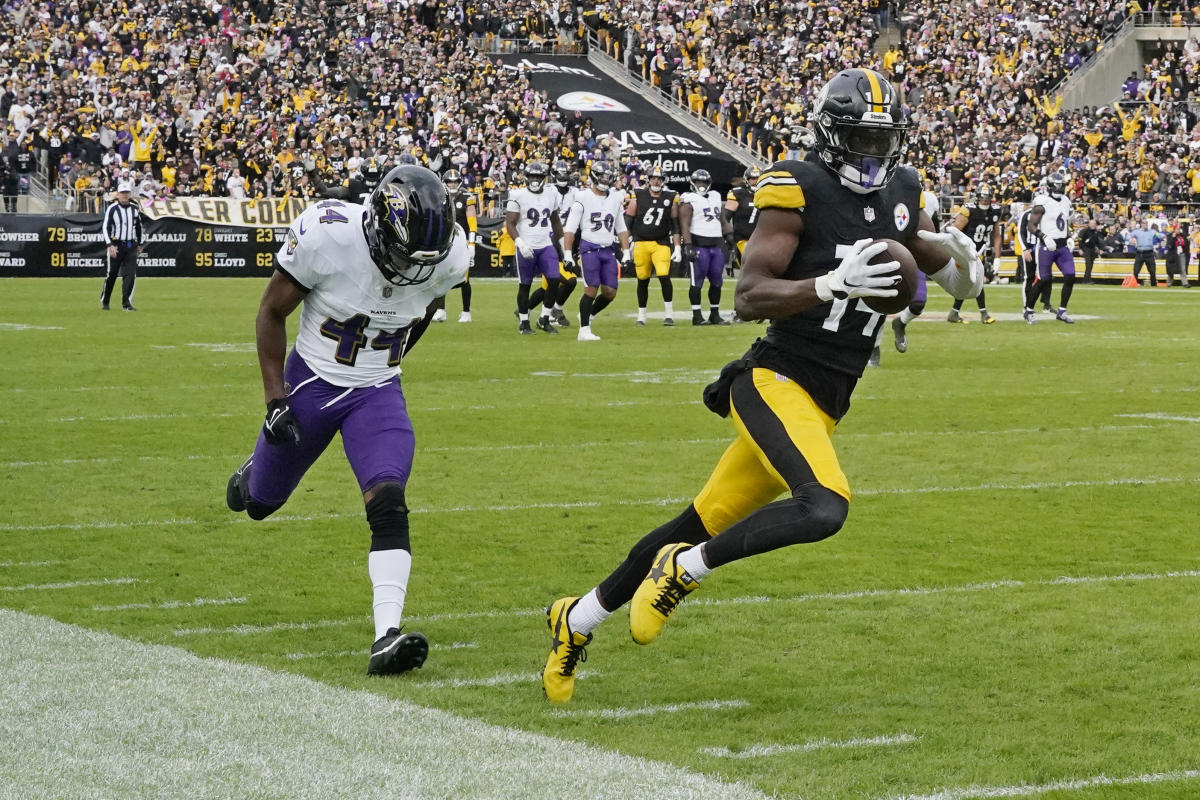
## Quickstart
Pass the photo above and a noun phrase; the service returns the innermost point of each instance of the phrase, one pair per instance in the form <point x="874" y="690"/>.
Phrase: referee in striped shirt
<point x="123" y="233"/>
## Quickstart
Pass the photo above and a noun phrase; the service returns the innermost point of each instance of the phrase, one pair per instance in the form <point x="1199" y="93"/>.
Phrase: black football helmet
<point x="561" y="173"/>
<point x="983" y="196"/>
<point x="453" y="180"/>
<point x="701" y="181"/>
<point x="656" y="178"/>
<point x="1056" y="184"/>
<point x="409" y="224"/>
<point x="602" y="175"/>
<point x="406" y="159"/>
<point x="752" y="174"/>
<point x="861" y="129"/>
<point x="535" y="176"/>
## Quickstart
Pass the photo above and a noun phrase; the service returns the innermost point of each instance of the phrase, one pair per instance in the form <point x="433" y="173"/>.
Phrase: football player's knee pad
<point x="387" y="514"/>
<point x="811" y="514"/>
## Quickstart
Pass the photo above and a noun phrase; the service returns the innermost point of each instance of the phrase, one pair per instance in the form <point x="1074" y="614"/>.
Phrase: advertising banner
<point x="573" y="84"/>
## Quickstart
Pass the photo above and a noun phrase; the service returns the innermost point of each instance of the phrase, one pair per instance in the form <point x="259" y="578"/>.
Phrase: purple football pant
<point x="1061" y="258"/>
<point x="544" y="263"/>
<point x="599" y="264"/>
<point x="709" y="264"/>
<point x="922" y="291"/>
<point x="377" y="434"/>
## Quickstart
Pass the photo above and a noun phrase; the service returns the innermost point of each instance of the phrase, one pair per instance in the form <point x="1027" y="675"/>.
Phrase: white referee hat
<point x="124" y="186"/>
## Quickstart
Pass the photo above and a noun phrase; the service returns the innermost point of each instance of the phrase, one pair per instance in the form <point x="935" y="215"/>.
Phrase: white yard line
<point x="917" y="591"/>
<point x="646" y="711"/>
<point x="365" y="651"/>
<point x="29" y="563"/>
<point x="168" y="604"/>
<point x="649" y="501"/>
<point x="1161" y="416"/>
<point x="762" y="750"/>
<point x="158" y="722"/>
<point x="35" y="587"/>
<point x="1030" y="790"/>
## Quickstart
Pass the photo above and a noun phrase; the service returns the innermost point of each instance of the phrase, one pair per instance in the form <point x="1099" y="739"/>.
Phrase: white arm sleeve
<point x="957" y="280"/>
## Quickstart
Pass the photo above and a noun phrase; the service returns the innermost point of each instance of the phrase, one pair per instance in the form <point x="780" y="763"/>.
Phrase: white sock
<point x="558" y="307"/>
<point x="389" y="578"/>
<point x="641" y="314"/>
<point x="545" y="312"/>
<point x="695" y="309"/>
<point x="670" y="310"/>
<point x="907" y="316"/>
<point x="587" y="614"/>
<point x="692" y="562"/>
<point x="524" y="317"/>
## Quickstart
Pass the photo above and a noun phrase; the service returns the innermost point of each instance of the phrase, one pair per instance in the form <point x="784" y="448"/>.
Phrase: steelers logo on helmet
<point x="861" y="129"/>
<point x="656" y="178"/>
<point x="453" y="180"/>
<point x="535" y="176"/>
<point x="409" y="224"/>
<point x="983" y="197"/>
<point x="752" y="173"/>
<point x="701" y="181"/>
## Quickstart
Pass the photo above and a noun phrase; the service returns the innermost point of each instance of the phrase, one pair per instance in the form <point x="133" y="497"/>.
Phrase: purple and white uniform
<point x="1055" y="227"/>
<point x="705" y="230"/>
<point x="598" y="218"/>
<point x="344" y="372"/>
<point x="533" y="227"/>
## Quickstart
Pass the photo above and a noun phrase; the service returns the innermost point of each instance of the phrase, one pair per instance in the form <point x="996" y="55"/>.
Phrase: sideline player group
<point x="367" y="280"/>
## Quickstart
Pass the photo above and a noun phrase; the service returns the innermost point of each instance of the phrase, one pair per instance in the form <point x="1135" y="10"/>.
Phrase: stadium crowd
<point x="244" y="99"/>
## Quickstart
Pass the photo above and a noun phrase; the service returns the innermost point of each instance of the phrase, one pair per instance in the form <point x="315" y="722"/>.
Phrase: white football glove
<point x="523" y="248"/>
<point x="961" y="249"/>
<point x="854" y="277"/>
<point x="996" y="266"/>
<point x="1071" y="243"/>
<point x="1048" y="243"/>
<point x="568" y="258"/>
<point x="677" y="254"/>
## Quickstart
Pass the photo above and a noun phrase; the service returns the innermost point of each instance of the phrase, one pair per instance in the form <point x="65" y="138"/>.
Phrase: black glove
<point x="280" y="426"/>
<point x="689" y="252"/>
<point x="731" y="241"/>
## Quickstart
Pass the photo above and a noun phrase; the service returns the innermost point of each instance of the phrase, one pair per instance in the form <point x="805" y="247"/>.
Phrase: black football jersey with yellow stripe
<point x="746" y="215"/>
<point x="825" y="348"/>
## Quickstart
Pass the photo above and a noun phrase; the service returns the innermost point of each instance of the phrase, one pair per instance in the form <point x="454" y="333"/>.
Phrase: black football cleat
<point x="524" y="328"/>
<point x="238" y="488"/>
<point x="396" y="652"/>
<point x="544" y="324"/>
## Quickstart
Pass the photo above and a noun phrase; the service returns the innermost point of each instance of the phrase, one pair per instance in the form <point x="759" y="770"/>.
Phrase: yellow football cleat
<point x="566" y="650"/>
<point x="658" y="594"/>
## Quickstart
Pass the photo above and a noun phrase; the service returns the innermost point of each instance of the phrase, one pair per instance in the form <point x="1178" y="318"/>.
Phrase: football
<point x="906" y="289"/>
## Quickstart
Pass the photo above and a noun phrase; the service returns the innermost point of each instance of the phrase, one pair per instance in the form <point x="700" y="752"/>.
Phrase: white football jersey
<point x="353" y="323"/>
<point x="706" y="212"/>
<point x="1056" y="221"/>
<point x="598" y="217"/>
<point x="568" y="198"/>
<point x="933" y="207"/>
<point x="534" y="210"/>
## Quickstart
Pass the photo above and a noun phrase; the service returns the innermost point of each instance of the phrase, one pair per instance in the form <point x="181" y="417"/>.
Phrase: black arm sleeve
<point x="418" y="328"/>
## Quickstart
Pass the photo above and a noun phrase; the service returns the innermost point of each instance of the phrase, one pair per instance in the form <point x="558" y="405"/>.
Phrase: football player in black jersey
<point x="806" y="268"/>
<point x="740" y="210"/>
<point x="466" y="218"/>
<point x="980" y="220"/>
<point x="652" y="216"/>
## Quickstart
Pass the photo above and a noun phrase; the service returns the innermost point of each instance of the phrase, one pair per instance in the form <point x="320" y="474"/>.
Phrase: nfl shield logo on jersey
<point x="387" y="291"/>
<point x="901" y="215"/>
<point x="869" y="214"/>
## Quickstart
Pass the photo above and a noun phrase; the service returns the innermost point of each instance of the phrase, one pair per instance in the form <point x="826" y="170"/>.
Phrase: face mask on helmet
<point x="752" y="174"/>
<point x="409" y="225"/>
<point x="860" y="129"/>
<point x="562" y="174"/>
<point x="701" y="181"/>
<point x="656" y="179"/>
<point x="602" y="176"/>
<point x="535" y="176"/>
<point x="984" y="199"/>
<point x="453" y="181"/>
<point x="1056" y="184"/>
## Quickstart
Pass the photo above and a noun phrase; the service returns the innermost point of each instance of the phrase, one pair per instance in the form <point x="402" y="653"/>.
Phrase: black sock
<point x="617" y="589"/>
<point x="1068" y="287"/>
<point x="536" y="296"/>
<point x="668" y="291"/>
<point x="585" y="310"/>
<point x="564" y="291"/>
<point x="548" y="297"/>
<point x="600" y="303"/>
<point x="643" y="292"/>
<point x="523" y="298"/>
<point x="694" y="297"/>
<point x="466" y="294"/>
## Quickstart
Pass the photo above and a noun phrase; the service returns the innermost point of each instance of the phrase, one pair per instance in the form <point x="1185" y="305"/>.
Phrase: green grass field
<point x="1011" y="609"/>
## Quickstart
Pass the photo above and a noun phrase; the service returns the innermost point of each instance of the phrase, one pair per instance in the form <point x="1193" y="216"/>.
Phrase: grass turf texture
<point x="988" y="462"/>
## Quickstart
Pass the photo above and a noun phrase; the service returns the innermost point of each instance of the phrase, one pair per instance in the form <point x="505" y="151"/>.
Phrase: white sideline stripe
<point x="648" y="501"/>
<point x="365" y="651"/>
<point x="29" y="563"/>
<point x="1028" y="790"/>
<point x="1066" y="580"/>
<point x="503" y="679"/>
<point x="196" y="603"/>
<point x="18" y="326"/>
<point x="70" y="584"/>
<point x="1169" y="417"/>
<point x="646" y="711"/>
<point x="761" y="750"/>
<point x="156" y="721"/>
<point x="501" y="448"/>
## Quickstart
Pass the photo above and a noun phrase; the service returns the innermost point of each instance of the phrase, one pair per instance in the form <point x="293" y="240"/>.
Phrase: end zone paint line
<point x="1029" y="790"/>
<point x="760" y="750"/>
<point x="71" y="584"/>
<point x="132" y="732"/>
<point x="645" y="711"/>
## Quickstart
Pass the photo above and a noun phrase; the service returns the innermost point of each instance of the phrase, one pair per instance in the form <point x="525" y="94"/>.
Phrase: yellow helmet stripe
<point x="876" y="89"/>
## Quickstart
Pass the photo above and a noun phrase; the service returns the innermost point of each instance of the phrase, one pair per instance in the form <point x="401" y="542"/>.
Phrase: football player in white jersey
<point x="531" y="219"/>
<point x="560" y="173"/>
<point x="1051" y="221"/>
<point x="367" y="276"/>
<point x="704" y="229"/>
<point x="598" y="213"/>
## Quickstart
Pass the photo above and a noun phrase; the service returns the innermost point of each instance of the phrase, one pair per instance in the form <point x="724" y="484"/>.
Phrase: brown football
<point x="908" y="279"/>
